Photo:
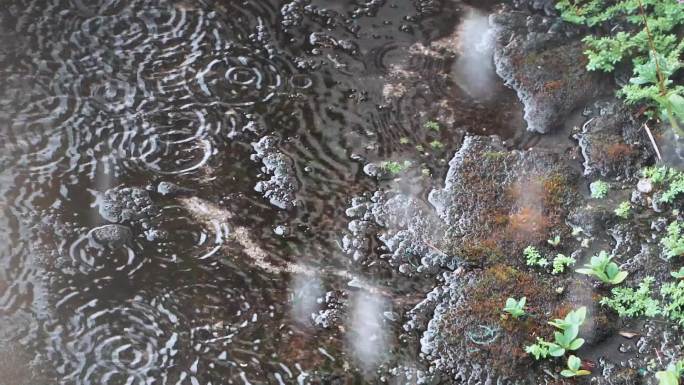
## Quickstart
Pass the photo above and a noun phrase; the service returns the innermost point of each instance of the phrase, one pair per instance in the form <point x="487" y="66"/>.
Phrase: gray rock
<point x="172" y="189"/>
<point x="543" y="62"/>
<point x="111" y="235"/>
<point x="125" y="204"/>
<point x="282" y="186"/>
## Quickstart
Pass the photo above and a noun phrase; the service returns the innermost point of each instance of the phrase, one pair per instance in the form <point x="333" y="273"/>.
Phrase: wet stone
<point x="613" y="143"/>
<point x="282" y="186"/>
<point x="125" y="204"/>
<point x="172" y="189"/>
<point x="111" y="235"/>
<point x="528" y="52"/>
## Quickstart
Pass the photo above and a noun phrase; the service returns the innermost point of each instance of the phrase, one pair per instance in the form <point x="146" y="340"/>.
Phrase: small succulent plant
<point x="574" y="368"/>
<point x="515" y="308"/>
<point x="601" y="267"/>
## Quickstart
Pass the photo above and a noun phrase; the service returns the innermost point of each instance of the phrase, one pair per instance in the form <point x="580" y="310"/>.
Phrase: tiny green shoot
<point x="514" y="307"/>
<point x="602" y="268"/>
<point x="574" y="368"/>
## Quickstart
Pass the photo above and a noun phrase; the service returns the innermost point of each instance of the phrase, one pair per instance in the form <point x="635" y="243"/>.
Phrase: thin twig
<point x="653" y="142"/>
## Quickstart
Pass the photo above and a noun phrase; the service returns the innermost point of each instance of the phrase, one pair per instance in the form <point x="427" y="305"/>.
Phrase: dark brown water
<point x="103" y="93"/>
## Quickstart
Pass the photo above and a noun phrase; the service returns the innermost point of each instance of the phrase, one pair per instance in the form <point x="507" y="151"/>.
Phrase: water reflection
<point x="367" y="334"/>
<point x="474" y="69"/>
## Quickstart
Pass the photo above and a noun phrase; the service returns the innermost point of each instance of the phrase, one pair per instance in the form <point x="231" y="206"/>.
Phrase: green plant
<point x="628" y="302"/>
<point x="565" y="341"/>
<point x="561" y="262"/>
<point x="673" y="301"/>
<point x="601" y="267"/>
<point x="672" y="179"/>
<point x="599" y="189"/>
<point x="673" y="242"/>
<point x="515" y="308"/>
<point x="404" y="140"/>
<point x="533" y="257"/>
<point x="623" y="210"/>
<point x="555" y="241"/>
<point x="671" y="375"/>
<point x="538" y="350"/>
<point x="395" y="167"/>
<point x="432" y="125"/>
<point x="573" y="370"/>
<point x="648" y="36"/>
<point x="437" y="145"/>
<point x="678" y="274"/>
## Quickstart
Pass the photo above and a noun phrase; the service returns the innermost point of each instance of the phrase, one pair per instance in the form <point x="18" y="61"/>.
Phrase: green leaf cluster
<point x="671" y="179"/>
<point x="514" y="307"/>
<point x="564" y="340"/>
<point x="673" y="242"/>
<point x="561" y="262"/>
<point x="601" y="267"/>
<point x="673" y="301"/>
<point x="394" y="167"/>
<point x="671" y="375"/>
<point x="623" y="210"/>
<point x="630" y="302"/>
<point x="573" y="370"/>
<point x="651" y="41"/>
<point x="599" y="189"/>
<point x="533" y="257"/>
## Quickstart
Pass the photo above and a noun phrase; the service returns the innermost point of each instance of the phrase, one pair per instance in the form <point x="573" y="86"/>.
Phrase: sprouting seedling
<point x="533" y="257"/>
<point x="671" y="375"/>
<point x="673" y="242"/>
<point x="436" y="145"/>
<point x="555" y="241"/>
<point x="567" y="340"/>
<point x="678" y="274"/>
<point x="623" y="210"/>
<point x="514" y="307"/>
<point x="560" y="262"/>
<point x="599" y="189"/>
<point x="539" y="350"/>
<point x="432" y="125"/>
<point x="395" y="167"/>
<point x="574" y="368"/>
<point x="601" y="267"/>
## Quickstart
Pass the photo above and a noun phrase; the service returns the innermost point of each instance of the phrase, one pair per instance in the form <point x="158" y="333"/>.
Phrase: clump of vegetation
<point x="678" y="274"/>
<point x="599" y="189"/>
<point x="628" y="302"/>
<point x="561" y="262"/>
<point x="623" y="210"/>
<point x="601" y="267"/>
<point x="432" y="125"/>
<point x="395" y="167"/>
<point x="673" y="301"/>
<point x="670" y="178"/>
<point x="673" y="242"/>
<point x="574" y="368"/>
<point x="515" y="308"/>
<point x="533" y="257"/>
<point x="555" y="241"/>
<point x="648" y="37"/>
<point x="436" y="145"/>
<point x="671" y="375"/>
<point x="564" y="340"/>
<point x="404" y="140"/>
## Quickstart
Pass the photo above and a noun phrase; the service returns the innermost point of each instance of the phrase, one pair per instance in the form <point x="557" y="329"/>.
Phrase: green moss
<point x="623" y="210"/>
<point x="673" y="301"/>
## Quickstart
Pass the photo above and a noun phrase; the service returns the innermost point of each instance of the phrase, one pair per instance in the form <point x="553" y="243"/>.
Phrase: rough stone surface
<point x="282" y="186"/>
<point x="496" y="202"/>
<point x="541" y="58"/>
<point x="124" y="204"/>
<point x="613" y="143"/>
<point x="111" y="235"/>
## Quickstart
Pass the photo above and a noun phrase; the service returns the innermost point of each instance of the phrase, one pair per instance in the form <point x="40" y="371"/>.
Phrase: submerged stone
<point x="124" y="204"/>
